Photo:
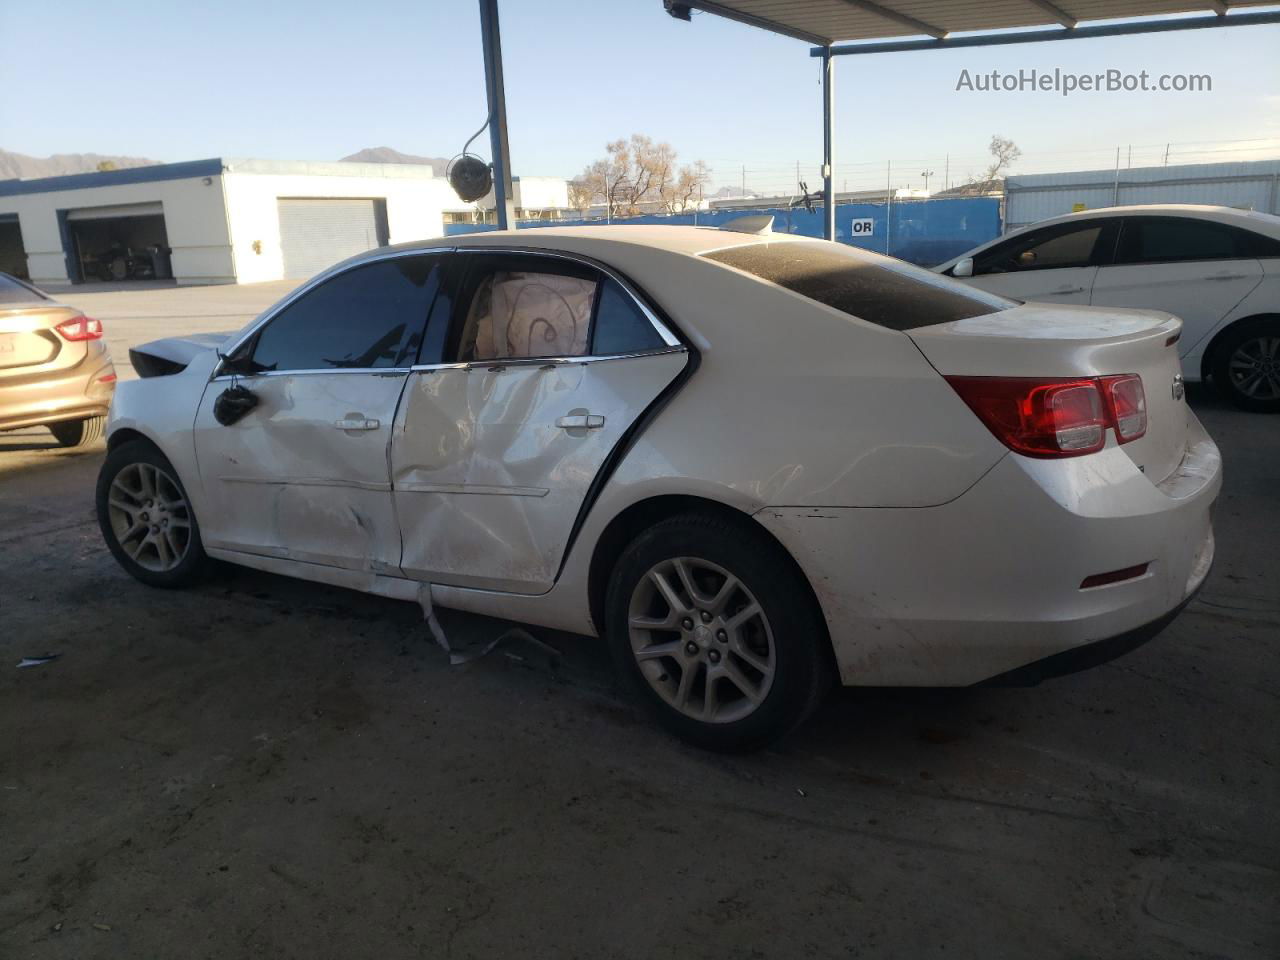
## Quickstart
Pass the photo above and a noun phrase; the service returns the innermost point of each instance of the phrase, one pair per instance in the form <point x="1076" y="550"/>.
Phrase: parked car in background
<point x="753" y="463"/>
<point x="55" y="370"/>
<point x="1216" y="268"/>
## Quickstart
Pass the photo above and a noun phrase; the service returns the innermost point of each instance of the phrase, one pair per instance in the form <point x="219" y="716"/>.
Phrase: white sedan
<point x="754" y="464"/>
<point x="1216" y="268"/>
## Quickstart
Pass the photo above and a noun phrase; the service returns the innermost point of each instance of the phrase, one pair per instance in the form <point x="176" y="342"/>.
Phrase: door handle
<point x="588" y="421"/>
<point x="1062" y="290"/>
<point x="356" y="423"/>
<point x="1227" y="276"/>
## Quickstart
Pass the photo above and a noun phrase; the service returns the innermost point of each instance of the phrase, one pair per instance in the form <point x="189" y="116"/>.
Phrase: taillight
<point x="1056" y="418"/>
<point x="80" y="328"/>
<point x="1127" y="403"/>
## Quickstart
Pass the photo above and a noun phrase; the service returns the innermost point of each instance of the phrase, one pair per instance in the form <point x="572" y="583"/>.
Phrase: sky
<point x="290" y="80"/>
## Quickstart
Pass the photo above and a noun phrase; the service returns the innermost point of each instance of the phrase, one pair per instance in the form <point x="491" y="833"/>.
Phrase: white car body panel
<point x="937" y="556"/>
<point x="1208" y="296"/>
<point x="487" y="485"/>
<point x="289" y="482"/>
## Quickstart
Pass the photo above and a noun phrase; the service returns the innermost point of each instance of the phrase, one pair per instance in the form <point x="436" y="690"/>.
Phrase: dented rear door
<point x="496" y="448"/>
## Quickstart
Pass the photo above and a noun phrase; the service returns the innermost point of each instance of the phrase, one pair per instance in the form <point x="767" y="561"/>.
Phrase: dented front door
<point x="304" y="474"/>
<point x="492" y="461"/>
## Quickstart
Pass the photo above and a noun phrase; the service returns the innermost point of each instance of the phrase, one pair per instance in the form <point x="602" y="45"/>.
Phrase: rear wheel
<point x="715" y="630"/>
<point x="146" y="518"/>
<point x="1247" y="366"/>
<point x="78" y="433"/>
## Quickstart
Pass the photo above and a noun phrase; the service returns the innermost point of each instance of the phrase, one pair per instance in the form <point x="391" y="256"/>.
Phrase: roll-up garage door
<point x="316" y="233"/>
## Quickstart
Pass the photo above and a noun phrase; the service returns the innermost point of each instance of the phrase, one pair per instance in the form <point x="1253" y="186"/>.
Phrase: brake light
<point x="80" y="328"/>
<point x="1127" y="402"/>
<point x="1056" y="418"/>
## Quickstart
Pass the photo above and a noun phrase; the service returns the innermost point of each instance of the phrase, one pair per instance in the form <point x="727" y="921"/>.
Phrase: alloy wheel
<point x="702" y="640"/>
<point x="150" y="517"/>
<point x="1254" y="368"/>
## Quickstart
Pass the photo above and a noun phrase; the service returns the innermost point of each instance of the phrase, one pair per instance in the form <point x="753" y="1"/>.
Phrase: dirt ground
<point x="264" y="767"/>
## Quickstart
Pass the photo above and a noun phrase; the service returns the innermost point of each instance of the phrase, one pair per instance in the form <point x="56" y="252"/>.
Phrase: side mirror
<point x="964" y="268"/>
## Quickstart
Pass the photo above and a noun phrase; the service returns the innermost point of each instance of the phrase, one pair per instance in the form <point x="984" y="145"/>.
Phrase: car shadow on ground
<point x="35" y="439"/>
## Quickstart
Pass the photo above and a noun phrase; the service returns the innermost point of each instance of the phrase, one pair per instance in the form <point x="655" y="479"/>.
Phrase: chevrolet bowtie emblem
<point x="1179" y="389"/>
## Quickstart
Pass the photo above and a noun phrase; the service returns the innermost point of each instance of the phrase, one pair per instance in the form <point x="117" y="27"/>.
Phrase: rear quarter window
<point x="13" y="290"/>
<point x="888" y="293"/>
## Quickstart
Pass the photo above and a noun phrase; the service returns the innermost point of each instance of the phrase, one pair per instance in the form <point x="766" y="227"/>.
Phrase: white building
<point x="221" y="221"/>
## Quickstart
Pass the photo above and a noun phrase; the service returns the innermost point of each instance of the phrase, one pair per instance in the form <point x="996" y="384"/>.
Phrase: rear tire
<point x="78" y="433"/>
<point x="146" y="518"/>
<point x="1246" y="365"/>
<point x="683" y="636"/>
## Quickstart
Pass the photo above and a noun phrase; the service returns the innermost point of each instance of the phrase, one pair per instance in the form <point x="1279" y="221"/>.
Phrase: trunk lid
<point x="1041" y="340"/>
<point x="29" y="342"/>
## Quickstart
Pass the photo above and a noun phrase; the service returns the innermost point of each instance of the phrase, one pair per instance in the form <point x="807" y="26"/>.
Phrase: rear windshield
<point x="15" y="291"/>
<point x="886" y="292"/>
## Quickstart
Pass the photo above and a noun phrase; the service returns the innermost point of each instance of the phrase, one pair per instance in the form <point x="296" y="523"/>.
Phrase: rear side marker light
<point x="80" y="328"/>
<point x="107" y="378"/>
<point x="1056" y="418"/>
<point x="1115" y="576"/>
<point x="1173" y="339"/>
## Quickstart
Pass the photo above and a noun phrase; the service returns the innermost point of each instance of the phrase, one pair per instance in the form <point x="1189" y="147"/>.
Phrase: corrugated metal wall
<point x="1249" y="186"/>
<point x="926" y="232"/>
<point x="316" y="233"/>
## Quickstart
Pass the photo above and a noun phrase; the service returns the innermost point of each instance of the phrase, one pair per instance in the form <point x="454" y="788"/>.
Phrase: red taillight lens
<point x="1127" y="403"/>
<point x="1038" y="418"/>
<point x="80" y="328"/>
<point x="1056" y="418"/>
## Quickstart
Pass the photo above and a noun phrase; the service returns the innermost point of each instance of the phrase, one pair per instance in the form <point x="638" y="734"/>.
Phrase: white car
<point x="1216" y="268"/>
<point x="753" y="463"/>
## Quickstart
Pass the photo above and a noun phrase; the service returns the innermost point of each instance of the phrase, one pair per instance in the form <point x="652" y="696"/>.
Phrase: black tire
<point x="801" y="649"/>
<point x="193" y="563"/>
<point x="1228" y="377"/>
<point x="78" y="433"/>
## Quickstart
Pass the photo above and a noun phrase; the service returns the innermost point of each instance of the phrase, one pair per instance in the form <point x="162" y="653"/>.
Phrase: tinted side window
<point x="371" y="316"/>
<point x="620" y="326"/>
<point x="1052" y="248"/>
<point x="877" y="289"/>
<point x="518" y="307"/>
<point x="1170" y="240"/>
<point x="1263" y="246"/>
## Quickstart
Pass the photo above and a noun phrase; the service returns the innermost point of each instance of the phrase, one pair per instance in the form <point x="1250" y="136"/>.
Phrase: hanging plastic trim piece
<point x="233" y="403"/>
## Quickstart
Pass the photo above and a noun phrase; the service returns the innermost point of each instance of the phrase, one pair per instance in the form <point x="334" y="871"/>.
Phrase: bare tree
<point x="640" y="171"/>
<point x="1004" y="153"/>
<point x="581" y="194"/>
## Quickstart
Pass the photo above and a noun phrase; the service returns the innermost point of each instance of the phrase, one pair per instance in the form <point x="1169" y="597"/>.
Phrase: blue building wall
<point x="926" y="232"/>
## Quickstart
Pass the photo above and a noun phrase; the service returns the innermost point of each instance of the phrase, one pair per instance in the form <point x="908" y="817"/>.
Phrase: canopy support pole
<point x="828" y="149"/>
<point x="491" y="39"/>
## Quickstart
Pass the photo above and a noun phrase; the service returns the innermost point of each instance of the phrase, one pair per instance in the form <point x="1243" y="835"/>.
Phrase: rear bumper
<point x="980" y="587"/>
<point x="70" y="394"/>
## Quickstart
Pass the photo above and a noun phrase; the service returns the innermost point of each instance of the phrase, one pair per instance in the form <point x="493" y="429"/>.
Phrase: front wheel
<point x="715" y="629"/>
<point x="146" y="518"/>
<point x="1247" y="366"/>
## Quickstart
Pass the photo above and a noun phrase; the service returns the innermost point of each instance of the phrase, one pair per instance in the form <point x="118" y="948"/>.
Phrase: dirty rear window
<point x="15" y="291"/>
<point x="882" y="291"/>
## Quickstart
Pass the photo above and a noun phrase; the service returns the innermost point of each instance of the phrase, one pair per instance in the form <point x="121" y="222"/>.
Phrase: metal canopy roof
<point x="828" y="22"/>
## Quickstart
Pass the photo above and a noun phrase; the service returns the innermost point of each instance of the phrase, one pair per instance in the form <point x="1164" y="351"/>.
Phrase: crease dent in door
<point x="487" y="486"/>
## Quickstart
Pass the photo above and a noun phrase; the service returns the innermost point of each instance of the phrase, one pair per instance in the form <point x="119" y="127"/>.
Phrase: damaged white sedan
<point x="754" y="464"/>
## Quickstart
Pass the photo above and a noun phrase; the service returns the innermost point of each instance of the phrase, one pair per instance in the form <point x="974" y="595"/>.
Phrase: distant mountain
<point x="19" y="165"/>
<point x="387" y="155"/>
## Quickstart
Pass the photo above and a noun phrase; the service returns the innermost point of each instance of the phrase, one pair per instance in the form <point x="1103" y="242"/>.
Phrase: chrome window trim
<point x="498" y="364"/>
<point x="669" y="338"/>
<point x="337" y="269"/>
<point x="376" y="371"/>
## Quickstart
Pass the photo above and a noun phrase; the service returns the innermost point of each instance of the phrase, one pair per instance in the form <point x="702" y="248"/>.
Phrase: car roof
<point x="673" y="239"/>
<point x="1264" y="223"/>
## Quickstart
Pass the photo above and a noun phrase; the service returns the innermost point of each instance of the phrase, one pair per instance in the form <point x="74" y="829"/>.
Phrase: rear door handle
<point x="1062" y="290"/>
<point x="588" y="421"/>
<point x="357" y="423"/>
<point x="1228" y="276"/>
